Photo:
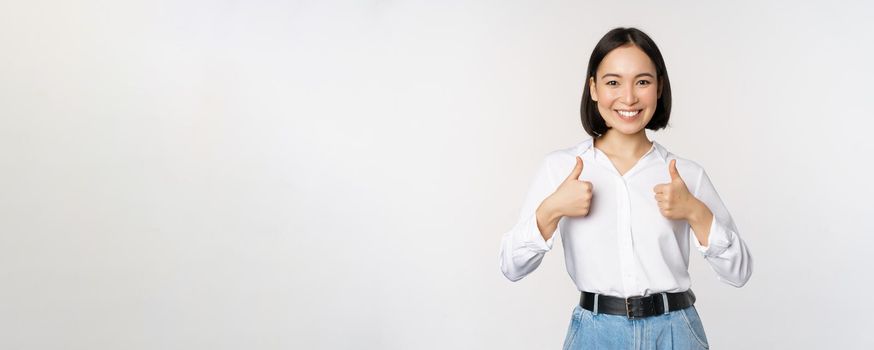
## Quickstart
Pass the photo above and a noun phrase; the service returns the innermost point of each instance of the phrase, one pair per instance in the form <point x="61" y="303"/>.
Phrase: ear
<point x="592" y="90"/>
<point x="661" y="85"/>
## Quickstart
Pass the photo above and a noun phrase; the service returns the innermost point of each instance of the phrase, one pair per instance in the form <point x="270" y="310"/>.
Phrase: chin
<point x="629" y="129"/>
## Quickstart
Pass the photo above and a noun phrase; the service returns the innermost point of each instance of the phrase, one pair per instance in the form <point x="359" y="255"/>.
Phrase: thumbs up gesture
<point x="674" y="200"/>
<point x="572" y="197"/>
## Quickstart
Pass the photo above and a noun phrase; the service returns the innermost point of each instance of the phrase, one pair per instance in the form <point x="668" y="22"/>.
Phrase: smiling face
<point x="626" y="89"/>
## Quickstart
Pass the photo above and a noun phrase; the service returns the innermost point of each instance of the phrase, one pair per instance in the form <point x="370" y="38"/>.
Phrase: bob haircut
<point x="591" y="118"/>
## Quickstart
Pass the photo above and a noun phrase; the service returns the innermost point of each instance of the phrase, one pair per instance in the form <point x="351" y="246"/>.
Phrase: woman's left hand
<point x="674" y="200"/>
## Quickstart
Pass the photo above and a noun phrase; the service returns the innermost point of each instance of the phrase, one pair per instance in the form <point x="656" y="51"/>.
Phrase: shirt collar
<point x="660" y="150"/>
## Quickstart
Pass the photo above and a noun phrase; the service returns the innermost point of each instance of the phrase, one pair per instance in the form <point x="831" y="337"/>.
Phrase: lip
<point x="632" y="118"/>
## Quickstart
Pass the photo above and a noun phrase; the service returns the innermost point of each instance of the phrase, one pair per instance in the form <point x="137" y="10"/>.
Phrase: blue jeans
<point x="680" y="329"/>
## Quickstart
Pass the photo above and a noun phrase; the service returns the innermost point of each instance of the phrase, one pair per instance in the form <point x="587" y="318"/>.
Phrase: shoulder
<point x="688" y="168"/>
<point x="682" y="162"/>
<point x="570" y="152"/>
<point x="556" y="164"/>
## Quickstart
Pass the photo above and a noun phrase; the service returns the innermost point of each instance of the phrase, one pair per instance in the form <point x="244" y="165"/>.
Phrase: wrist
<point x="699" y="212"/>
<point x="547" y="214"/>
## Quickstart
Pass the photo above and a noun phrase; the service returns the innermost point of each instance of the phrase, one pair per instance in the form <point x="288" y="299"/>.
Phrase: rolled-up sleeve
<point x="523" y="247"/>
<point x="726" y="252"/>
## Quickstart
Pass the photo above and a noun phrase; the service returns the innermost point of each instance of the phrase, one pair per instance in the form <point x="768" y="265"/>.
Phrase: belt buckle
<point x="628" y="312"/>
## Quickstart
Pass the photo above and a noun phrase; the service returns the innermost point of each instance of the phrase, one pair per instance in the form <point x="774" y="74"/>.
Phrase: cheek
<point x="609" y="96"/>
<point x="604" y="108"/>
<point x="650" y="96"/>
<point x="606" y="100"/>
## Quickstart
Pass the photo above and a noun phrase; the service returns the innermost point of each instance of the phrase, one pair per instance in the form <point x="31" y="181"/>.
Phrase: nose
<point x="629" y="96"/>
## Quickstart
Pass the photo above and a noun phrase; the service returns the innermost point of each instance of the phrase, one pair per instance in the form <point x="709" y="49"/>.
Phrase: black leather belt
<point x="637" y="307"/>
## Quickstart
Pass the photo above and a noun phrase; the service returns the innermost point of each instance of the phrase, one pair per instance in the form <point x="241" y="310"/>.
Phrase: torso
<point x="624" y="246"/>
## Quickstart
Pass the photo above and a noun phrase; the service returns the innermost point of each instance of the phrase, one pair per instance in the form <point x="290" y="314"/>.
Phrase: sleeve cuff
<point x="718" y="240"/>
<point x="534" y="240"/>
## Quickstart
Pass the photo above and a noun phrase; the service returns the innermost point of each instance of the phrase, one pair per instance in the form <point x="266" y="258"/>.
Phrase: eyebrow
<point x="619" y="76"/>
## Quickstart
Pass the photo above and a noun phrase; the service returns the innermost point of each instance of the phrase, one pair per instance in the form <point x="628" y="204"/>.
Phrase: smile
<point x="628" y="114"/>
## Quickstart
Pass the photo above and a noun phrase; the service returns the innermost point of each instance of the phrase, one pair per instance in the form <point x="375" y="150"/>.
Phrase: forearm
<point x="547" y="219"/>
<point x="700" y="219"/>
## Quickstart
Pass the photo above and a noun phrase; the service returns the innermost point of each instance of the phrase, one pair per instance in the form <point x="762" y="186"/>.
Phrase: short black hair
<point x="589" y="115"/>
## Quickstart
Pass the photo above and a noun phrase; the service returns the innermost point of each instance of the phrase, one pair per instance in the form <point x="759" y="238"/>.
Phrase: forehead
<point x="626" y="60"/>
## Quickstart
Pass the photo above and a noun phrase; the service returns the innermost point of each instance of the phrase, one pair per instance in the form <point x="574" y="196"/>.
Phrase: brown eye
<point x="644" y="82"/>
<point x="612" y="82"/>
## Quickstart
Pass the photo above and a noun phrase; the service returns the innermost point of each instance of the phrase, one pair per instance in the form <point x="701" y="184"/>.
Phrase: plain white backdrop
<point x="337" y="175"/>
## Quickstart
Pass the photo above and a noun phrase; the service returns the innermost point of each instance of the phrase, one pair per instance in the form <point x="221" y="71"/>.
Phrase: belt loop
<point x="665" y="299"/>
<point x="595" y="308"/>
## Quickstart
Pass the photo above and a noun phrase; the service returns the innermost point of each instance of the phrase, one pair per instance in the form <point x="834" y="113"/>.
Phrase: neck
<point x="617" y="143"/>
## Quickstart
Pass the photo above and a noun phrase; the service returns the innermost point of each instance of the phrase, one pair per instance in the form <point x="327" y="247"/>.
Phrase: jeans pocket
<point x="696" y="327"/>
<point x="573" y="327"/>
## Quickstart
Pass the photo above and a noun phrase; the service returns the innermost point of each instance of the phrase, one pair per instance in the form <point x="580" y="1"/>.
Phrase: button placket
<point x="626" y="241"/>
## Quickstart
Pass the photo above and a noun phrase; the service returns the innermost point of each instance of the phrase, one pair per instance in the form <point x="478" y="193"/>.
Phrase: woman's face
<point x="626" y="89"/>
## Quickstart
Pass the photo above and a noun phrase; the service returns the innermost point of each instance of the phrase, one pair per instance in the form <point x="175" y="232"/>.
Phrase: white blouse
<point x="624" y="247"/>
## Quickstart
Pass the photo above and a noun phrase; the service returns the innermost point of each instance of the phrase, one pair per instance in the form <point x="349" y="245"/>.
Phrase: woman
<point x="626" y="209"/>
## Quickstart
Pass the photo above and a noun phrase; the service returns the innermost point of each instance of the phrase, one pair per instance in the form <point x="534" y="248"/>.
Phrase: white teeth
<point x="628" y="114"/>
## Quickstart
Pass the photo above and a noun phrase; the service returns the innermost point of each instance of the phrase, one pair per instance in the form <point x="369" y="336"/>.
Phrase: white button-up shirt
<point x="624" y="247"/>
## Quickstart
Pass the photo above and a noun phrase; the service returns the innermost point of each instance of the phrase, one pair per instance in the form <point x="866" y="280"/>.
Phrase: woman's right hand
<point x="573" y="197"/>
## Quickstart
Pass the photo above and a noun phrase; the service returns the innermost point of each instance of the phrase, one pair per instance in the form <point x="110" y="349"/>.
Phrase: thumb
<point x="675" y="175"/>
<point x="578" y="169"/>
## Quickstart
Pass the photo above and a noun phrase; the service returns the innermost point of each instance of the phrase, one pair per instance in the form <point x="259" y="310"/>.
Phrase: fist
<point x="573" y="197"/>
<point x="674" y="200"/>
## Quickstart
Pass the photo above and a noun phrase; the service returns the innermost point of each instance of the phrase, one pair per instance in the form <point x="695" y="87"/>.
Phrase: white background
<point x="317" y="175"/>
